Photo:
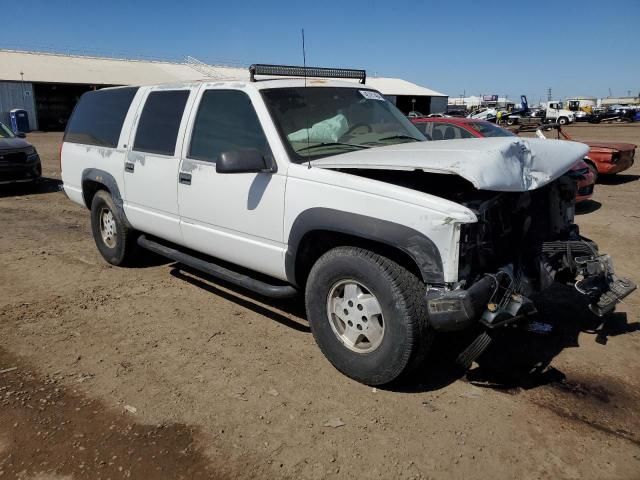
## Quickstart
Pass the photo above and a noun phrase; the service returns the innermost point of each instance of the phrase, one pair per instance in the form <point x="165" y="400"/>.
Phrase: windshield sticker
<point x="369" y="95"/>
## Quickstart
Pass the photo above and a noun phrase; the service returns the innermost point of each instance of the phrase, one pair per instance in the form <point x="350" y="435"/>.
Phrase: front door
<point x="237" y="216"/>
<point x="151" y="166"/>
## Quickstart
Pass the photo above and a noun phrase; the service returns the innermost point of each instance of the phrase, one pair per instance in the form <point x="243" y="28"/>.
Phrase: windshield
<point x="5" y="132"/>
<point x="487" y="129"/>
<point x="317" y="122"/>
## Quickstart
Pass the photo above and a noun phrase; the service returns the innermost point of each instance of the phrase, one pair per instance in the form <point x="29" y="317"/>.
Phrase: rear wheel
<point x="367" y="315"/>
<point x="115" y="241"/>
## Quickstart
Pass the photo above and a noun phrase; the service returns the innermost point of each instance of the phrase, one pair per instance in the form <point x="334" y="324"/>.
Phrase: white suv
<point x="323" y="188"/>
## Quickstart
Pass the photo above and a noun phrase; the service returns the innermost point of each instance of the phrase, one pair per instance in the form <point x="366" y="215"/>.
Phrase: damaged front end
<point x="521" y="244"/>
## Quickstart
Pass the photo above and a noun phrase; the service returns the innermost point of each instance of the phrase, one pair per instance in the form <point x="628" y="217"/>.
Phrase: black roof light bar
<point x="318" y="72"/>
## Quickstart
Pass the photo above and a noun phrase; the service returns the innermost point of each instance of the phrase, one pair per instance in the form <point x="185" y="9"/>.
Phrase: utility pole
<point x="22" y="88"/>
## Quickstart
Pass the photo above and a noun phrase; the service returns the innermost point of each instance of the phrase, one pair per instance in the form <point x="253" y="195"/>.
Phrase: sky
<point x="509" y="48"/>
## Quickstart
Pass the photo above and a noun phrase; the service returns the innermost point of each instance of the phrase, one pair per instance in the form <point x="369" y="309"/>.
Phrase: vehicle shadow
<point x="618" y="179"/>
<point x="519" y="358"/>
<point x="587" y="206"/>
<point x="43" y="185"/>
<point x="292" y="306"/>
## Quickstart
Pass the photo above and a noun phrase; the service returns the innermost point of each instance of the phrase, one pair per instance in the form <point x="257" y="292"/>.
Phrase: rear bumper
<point x="496" y="300"/>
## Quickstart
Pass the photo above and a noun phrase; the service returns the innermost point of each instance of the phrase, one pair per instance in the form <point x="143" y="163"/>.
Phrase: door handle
<point x="129" y="167"/>
<point x="184" y="178"/>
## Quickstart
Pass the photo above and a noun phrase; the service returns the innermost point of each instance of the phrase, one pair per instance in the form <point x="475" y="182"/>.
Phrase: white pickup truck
<point x="323" y="188"/>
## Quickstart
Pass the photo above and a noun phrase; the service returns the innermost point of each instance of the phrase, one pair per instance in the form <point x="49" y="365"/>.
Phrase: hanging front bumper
<point x="498" y="299"/>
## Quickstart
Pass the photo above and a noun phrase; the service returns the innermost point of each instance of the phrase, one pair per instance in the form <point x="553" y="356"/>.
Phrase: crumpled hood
<point x="507" y="164"/>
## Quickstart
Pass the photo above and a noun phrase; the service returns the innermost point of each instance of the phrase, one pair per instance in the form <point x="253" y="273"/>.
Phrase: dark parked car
<point x="19" y="160"/>
<point x="618" y="114"/>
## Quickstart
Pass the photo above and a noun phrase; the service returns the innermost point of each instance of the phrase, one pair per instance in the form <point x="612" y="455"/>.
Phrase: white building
<point x="48" y="85"/>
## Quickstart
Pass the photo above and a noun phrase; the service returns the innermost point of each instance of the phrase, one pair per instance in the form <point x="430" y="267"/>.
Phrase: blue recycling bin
<point x="19" y="120"/>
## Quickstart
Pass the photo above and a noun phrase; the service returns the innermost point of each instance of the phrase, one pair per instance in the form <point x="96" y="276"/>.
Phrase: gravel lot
<point x="156" y="373"/>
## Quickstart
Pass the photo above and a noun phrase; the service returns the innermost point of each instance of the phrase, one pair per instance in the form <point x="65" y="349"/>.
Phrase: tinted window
<point x="159" y="123"/>
<point x="447" y="131"/>
<point x="98" y="117"/>
<point x="490" y="129"/>
<point x="226" y="122"/>
<point x="424" y="129"/>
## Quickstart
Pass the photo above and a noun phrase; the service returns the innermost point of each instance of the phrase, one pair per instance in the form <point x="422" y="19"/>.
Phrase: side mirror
<point x="21" y="135"/>
<point x="244" y="161"/>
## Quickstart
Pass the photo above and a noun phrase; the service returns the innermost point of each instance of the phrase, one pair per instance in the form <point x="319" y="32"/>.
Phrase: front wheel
<point x="115" y="241"/>
<point x="563" y="120"/>
<point x="367" y="315"/>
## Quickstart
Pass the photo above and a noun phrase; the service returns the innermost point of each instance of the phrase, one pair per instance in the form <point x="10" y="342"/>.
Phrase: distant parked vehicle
<point x="452" y="128"/>
<point x="487" y="114"/>
<point x="550" y="112"/>
<point x="456" y="111"/>
<point x="19" y="160"/>
<point x="604" y="158"/>
<point x="614" y="114"/>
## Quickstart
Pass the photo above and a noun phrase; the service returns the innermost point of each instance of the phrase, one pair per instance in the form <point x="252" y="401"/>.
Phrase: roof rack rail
<point x="293" y="71"/>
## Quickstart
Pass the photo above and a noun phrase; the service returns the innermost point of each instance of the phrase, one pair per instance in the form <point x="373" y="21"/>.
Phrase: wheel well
<point x="89" y="190"/>
<point x="316" y="243"/>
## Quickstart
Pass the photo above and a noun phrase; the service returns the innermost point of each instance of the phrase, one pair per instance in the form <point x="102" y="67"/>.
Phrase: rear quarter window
<point x="98" y="117"/>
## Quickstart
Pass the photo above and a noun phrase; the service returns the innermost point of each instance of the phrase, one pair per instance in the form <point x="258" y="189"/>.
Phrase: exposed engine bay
<point x="521" y="244"/>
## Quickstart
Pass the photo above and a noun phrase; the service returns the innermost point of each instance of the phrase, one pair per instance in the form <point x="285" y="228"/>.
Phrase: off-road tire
<point x="122" y="252"/>
<point x="400" y="295"/>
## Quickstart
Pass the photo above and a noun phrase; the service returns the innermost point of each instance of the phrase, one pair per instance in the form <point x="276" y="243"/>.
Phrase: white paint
<point x="247" y="218"/>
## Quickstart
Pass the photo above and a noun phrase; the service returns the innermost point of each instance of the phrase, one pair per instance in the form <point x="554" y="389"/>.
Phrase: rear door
<point x="151" y="166"/>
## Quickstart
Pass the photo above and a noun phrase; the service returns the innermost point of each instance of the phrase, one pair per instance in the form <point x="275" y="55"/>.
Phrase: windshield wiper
<point x="331" y="144"/>
<point x="399" y="137"/>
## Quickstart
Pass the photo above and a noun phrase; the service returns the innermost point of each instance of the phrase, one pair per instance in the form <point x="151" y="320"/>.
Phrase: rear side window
<point x="98" y="117"/>
<point x="447" y="131"/>
<point x="226" y="122"/>
<point x="159" y="123"/>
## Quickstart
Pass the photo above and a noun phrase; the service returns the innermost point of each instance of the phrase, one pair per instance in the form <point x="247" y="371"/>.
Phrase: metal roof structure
<point x="74" y="69"/>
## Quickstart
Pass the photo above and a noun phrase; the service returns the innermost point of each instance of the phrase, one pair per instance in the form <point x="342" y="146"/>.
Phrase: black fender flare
<point x="106" y="179"/>
<point x="416" y="245"/>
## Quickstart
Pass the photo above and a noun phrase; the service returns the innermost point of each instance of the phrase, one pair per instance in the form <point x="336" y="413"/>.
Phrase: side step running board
<point x="242" y="280"/>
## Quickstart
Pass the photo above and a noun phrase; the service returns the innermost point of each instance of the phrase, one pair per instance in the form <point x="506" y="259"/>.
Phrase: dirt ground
<point x="153" y="372"/>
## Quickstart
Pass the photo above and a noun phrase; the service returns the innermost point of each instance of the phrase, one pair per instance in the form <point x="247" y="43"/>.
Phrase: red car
<point x="606" y="158"/>
<point x="444" y="128"/>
